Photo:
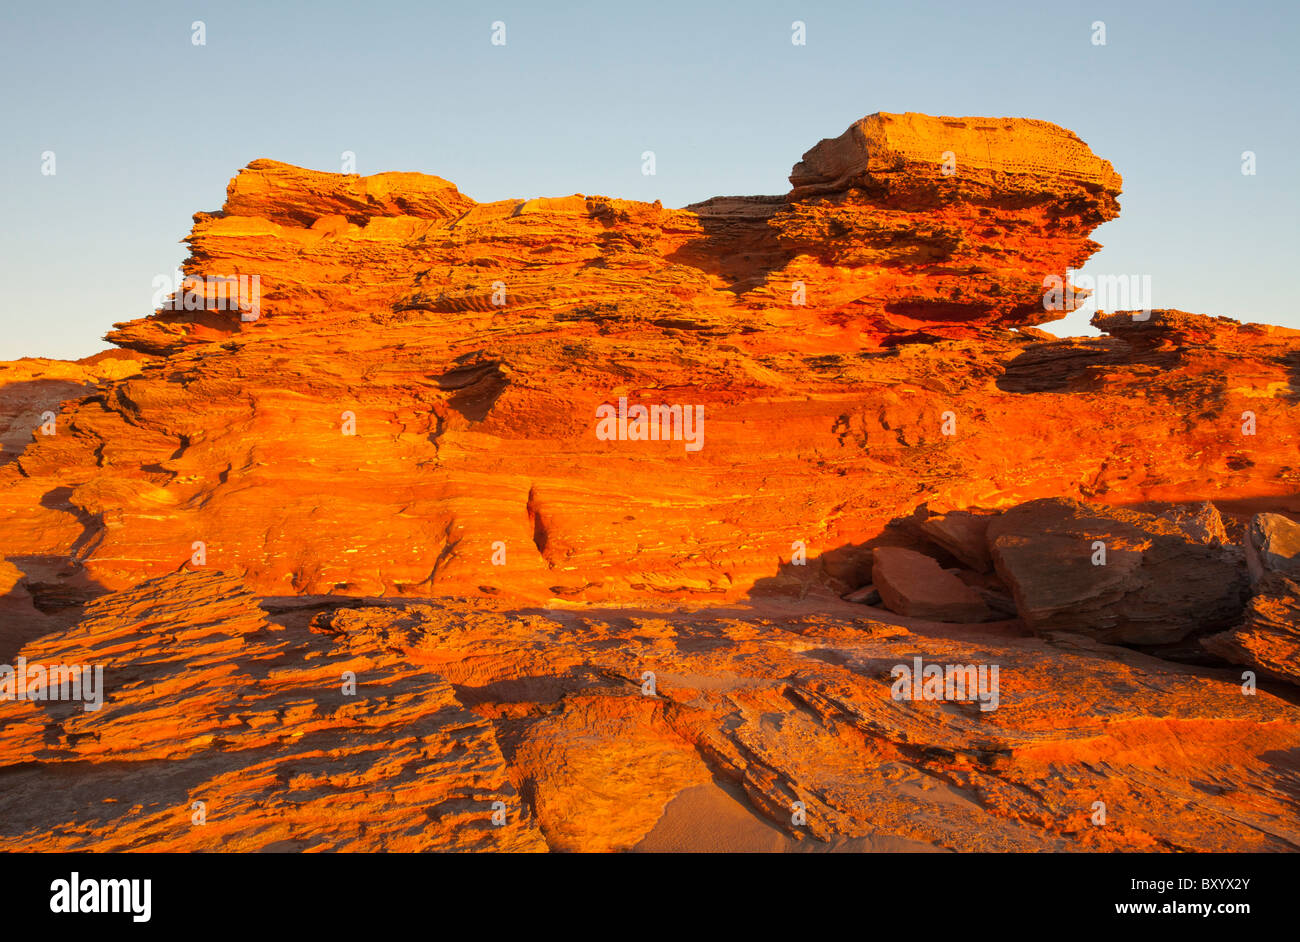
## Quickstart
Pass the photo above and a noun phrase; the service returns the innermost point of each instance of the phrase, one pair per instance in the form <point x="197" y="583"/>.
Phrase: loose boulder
<point x="1115" y="575"/>
<point x="911" y="583"/>
<point x="1272" y="545"/>
<point x="866" y="595"/>
<point x="963" y="534"/>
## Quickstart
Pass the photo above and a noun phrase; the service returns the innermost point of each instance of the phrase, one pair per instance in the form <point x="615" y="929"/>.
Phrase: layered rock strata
<point x="372" y="541"/>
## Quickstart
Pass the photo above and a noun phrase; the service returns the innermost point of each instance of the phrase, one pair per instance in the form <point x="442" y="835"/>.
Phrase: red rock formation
<point x="1268" y="637"/>
<point x="32" y="389"/>
<point x="406" y="405"/>
<point x="475" y="424"/>
<point x="213" y="700"/>
<point x="238" y="735"/>
<point x="1272" y="544"/>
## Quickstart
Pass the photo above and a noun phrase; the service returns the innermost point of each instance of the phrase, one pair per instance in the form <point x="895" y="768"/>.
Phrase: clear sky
<point x="148" y="128"/>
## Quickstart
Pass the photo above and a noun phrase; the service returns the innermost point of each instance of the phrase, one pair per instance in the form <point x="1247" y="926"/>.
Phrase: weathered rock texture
<point x="1268" y="638"/>
<point x="475" y="424"/>
<point x="32" y="389"/>
<point x="213" y="712"/>
<point x="860" y="347"/>
<point x="1116" y="575"/>
<point x="1272" y="545"/>
<point x="213" y="700"/>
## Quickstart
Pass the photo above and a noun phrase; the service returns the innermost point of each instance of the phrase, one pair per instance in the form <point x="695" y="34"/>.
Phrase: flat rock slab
<point x="1114" y="575"/>
<point x="911" y="583"/>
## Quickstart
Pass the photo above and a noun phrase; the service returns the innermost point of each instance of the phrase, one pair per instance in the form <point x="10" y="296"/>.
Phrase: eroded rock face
<point x="847" y="350"/>
<point x="1113" y="574"/>
<point x="216" y="704"/>
<point x="391" y="476"/>
<point x="31" y="391"/>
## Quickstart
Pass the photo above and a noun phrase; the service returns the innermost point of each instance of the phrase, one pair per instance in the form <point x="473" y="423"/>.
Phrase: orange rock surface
<point x="212" y="699"/>
<point x="395" y="470"/>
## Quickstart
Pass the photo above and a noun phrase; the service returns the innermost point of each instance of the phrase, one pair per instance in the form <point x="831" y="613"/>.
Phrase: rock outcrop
<point x="419" y="523"/>
<point x="243" y="735"/>
<point x="848" y="350"/>
<point x="963" y="534"/>
<point x="31" y="391"/>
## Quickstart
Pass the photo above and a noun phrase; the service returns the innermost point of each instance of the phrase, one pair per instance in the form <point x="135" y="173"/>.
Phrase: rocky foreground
<point x="364" y="569"/>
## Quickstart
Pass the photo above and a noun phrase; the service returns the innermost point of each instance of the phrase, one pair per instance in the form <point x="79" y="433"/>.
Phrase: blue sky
<point x="148" y="128"/>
